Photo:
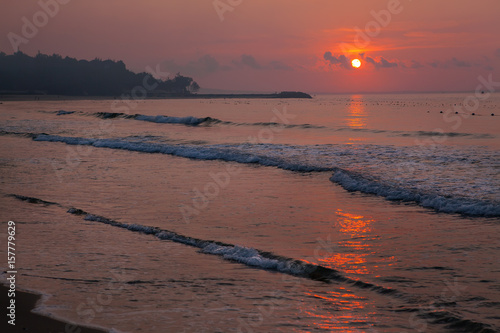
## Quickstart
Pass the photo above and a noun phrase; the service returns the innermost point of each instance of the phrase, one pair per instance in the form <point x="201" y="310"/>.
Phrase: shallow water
<point x="266" y="213"/>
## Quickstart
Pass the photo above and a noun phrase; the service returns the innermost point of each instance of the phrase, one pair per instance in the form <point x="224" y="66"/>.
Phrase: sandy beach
<point x="27" y="321"/>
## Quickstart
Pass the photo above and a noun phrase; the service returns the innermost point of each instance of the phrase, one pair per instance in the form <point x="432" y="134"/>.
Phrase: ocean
<point x="343" y="213"/>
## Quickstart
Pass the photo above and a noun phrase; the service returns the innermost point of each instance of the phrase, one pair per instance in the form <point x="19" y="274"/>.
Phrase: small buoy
<point x="456" y="112"/>
<point x="473" y="114"/>
<point x="492" y="114"/>
<point x="482" y="92"/>
<point x="440" y="111"/>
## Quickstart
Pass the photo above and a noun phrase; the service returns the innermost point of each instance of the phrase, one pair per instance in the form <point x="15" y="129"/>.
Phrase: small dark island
<point x="54" y="77"/>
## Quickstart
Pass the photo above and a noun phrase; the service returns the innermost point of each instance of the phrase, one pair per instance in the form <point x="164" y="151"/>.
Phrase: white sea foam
<point x="248" y="256"/>
<point x="171" y="120"/>
<point x="445" y="179"/>
<point x="440" y="203"/>
<point x="241" y="254"/>
<point x="63" y="112"/>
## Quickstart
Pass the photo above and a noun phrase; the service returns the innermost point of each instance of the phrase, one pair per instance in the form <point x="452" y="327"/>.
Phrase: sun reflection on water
<point x="353" y="247"/>
<point x="357" y="113"/>
<point x="348" y="307"/>
<point x="341" y="309"/>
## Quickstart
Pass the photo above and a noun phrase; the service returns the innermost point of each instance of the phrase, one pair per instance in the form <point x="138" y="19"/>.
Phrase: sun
<point x="356" y="63"/>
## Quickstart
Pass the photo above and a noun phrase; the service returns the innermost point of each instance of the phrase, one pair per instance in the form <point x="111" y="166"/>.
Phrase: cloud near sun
<point x="345" y="62"/>
<point x="207" y="65"/>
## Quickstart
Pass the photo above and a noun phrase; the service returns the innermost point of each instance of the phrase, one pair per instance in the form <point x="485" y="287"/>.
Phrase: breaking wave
<point x="371" y="169"/>
<point x="354" y="182"/>
<point x="207" y="121"/>
<point x="190" y="121"/>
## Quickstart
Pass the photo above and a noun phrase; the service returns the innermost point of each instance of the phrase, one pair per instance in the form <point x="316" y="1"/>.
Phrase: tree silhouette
<point x="44" y="74"/>
<point x="194" y="87"/>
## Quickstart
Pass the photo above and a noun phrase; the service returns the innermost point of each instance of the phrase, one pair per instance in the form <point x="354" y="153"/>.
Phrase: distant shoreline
<point x="281" y="95"/>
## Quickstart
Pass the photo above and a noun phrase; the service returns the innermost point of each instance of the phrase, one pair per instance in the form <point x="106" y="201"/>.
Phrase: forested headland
<point x="56" y="75"/>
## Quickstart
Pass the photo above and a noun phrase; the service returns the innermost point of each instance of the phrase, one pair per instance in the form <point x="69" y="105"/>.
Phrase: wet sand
<point x="27" y="321"/>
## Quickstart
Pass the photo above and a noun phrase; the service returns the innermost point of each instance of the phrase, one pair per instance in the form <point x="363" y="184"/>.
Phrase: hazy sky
<point x="266" y="45"/>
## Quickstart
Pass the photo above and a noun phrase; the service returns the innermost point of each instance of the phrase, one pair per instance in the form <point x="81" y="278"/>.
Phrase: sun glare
<point x="356" y="63"/>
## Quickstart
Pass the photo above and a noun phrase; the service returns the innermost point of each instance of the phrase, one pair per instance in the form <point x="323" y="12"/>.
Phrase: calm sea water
<point x="362" y="213"/>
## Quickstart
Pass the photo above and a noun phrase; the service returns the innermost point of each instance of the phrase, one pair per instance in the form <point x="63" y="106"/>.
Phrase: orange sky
<point x="266" y="45"/>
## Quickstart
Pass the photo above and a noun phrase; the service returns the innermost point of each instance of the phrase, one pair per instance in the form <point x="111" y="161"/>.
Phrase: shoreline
<point x="282" y="95"/>
<point x="28" y="321"/>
